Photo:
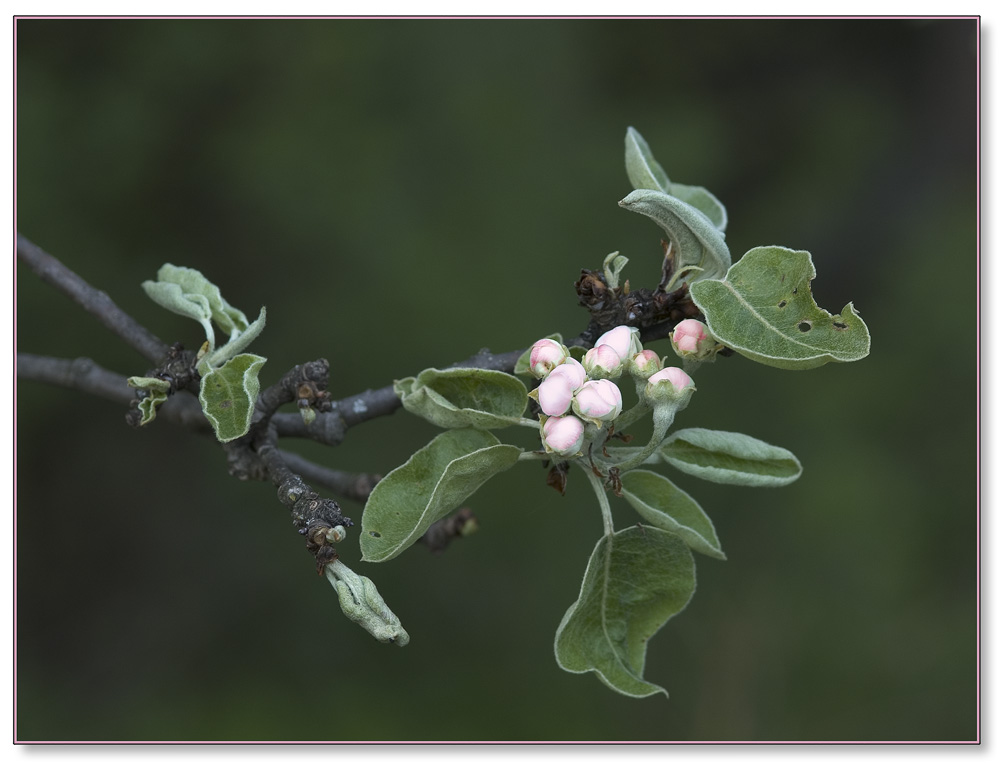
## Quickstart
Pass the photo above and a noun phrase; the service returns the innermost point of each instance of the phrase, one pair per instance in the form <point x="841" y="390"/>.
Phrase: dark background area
<point x="402" y="193"/>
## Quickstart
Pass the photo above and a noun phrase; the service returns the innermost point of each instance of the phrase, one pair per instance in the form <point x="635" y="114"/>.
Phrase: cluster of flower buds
<point x="572" y="393"/>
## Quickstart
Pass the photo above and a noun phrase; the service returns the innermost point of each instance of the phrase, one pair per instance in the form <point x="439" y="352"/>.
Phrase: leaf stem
<point x="602" y="498"/>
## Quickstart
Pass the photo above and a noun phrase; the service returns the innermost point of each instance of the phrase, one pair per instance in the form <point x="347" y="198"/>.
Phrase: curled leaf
<point x="464" y="397"/>
<point x="361" y="602"/>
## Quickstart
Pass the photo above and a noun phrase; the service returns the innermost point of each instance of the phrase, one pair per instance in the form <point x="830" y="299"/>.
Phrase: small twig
<point x="84" y="375"/>
<point x="353" y="485"/>
<point x="94" y="301"/>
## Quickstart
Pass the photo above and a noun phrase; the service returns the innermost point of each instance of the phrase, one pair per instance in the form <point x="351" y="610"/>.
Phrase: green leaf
<point x="697" y="242"/>
<point x="192" y="283"/>
<point x="228" y="395"/>
<point x="432" y="483"/>
<point x="464" y="397"/>
<point x="702" y="200"/>
<point x="521" y="368"/>
<point x="641" y="166"/>
<point x="173" y="298"/>
<point x="156" y="389"/>
<point x="764" y="309"/>
<point x="661" y="503"/>
<point x="238" y="342"/>
<point x="636" y="580"/>
<point x="730" y="458"/>
<point x="361" y="602"/>
<point x="644" y="172"/>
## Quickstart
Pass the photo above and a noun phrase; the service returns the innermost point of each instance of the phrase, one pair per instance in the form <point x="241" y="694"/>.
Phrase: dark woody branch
<point x="94" y="301"/>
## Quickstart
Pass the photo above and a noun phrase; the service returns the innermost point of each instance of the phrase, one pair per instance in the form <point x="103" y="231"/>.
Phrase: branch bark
<point x="94" y="301"/>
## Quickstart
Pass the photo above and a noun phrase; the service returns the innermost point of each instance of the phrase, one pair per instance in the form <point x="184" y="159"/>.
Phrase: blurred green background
<point x="400" y="193"/>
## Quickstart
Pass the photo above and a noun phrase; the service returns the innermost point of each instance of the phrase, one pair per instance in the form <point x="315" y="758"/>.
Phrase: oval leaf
<point x="435" y="481"/>
<point x="730" y="458"/>
<point x="464" y="397"/>
<point x="661" y="503"/>
<point x="228" y="395"/>
<point x="695" y="238"/>
<point x="764" y="309"/>
<point x="636" y="580"/>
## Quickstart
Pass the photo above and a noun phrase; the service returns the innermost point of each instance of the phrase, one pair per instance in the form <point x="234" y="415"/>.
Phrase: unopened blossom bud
<point x="623" y="339"/>
<point x="573" y="371"/>
<point x="555" y="394"/>
<point x="690" y="338"/>
<point x="670" y="384"/>
<point x="602" y="362"/>
<point x="598" y="400"/>
<point x="545" y="355"/>
<point x="562" y="435"/>
<point x="644" y="364"/>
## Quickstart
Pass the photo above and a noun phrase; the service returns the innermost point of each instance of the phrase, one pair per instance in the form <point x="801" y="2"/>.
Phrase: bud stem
<point x="663" y="417"/>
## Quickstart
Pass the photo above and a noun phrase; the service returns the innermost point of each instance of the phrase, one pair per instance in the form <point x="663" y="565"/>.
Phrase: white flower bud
<point x="562" y="435"/>
<point x="598" y="400"/>
<point x="545" y="355"/>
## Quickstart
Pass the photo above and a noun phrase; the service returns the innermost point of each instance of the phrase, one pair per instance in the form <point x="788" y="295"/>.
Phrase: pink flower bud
<point x="644" y="364"/>
<point x="623" y="339"/>
<point x="546" y="354"/>
<point x="602" y="362"/>
<point x="562" y="435"/>
<point x="573" y="371"/>
<point x="690" y="337"/>
<point x="598" y="400"/>
<point x="670" y="384"/>
<point x="555" y="394"/>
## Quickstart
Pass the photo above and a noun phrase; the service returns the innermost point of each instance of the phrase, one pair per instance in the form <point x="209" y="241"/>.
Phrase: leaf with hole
<point x="636" y="580"/>
<point x="764" y="309"/>
<point x="432" y="483"/>
<point x="464" y="397"/>
<point x="662" y="504"/>
<point x="228" y="395"/>
<point x="730" y="458"/>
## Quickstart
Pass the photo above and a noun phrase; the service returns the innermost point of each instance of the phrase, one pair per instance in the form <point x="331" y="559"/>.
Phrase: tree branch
<point x="95" y="302"/>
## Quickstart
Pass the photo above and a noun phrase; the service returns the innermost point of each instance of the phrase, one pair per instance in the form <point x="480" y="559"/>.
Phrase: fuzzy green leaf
<point x="697" y="242"/>
<point x="432" y="483"/>
<point x="764" y="309"/>
<point x="228" y="395"/>
<point x="239" y="341"/>
<point x="662" y="504"/>
<point x="730" y="458"/>
<point x="641" y="166"/>
<point x="361" y="602"/>
<point x="636" y="580"/>
<point x="455" y="398"/>
<point x="192" y="283"/>
<point x="644" y="172"/>
<point x="156" y="395"/>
